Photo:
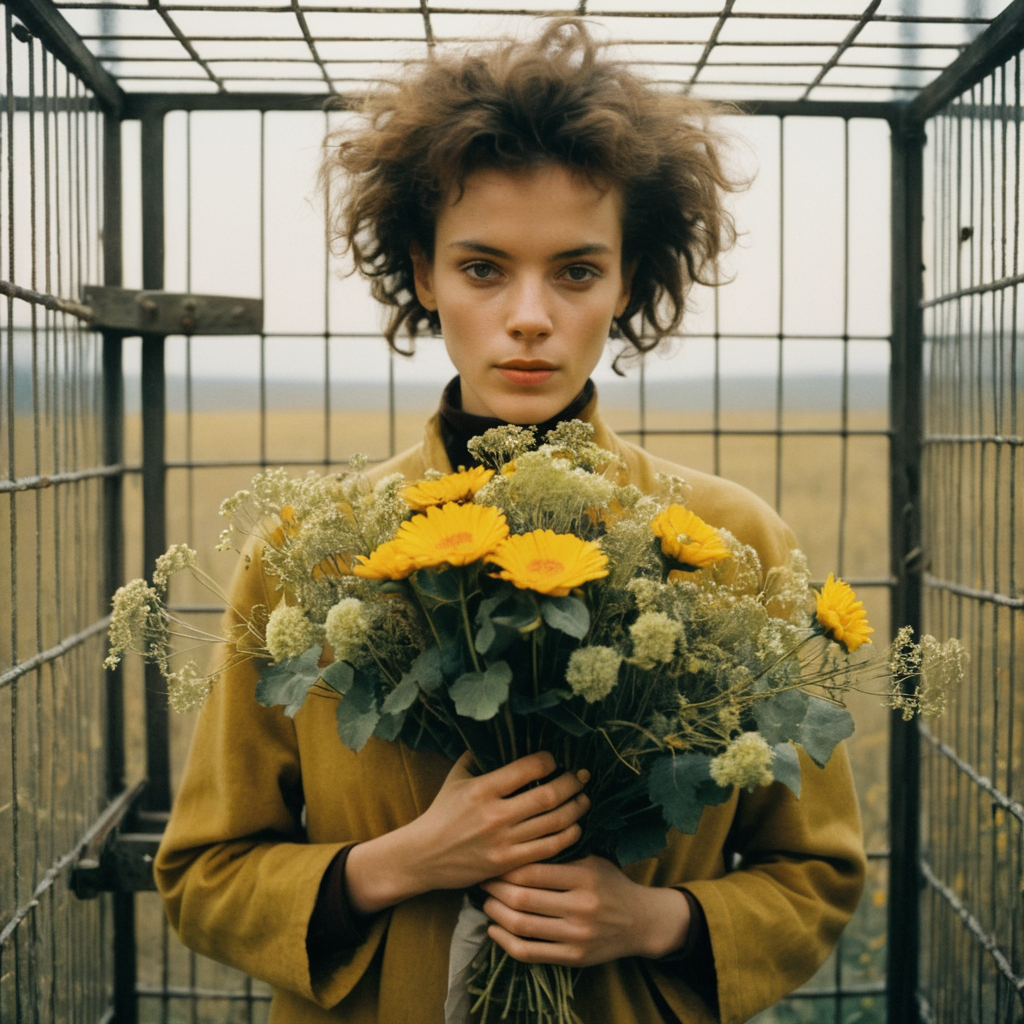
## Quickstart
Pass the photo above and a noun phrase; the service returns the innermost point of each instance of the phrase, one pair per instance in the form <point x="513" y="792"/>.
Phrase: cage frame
<point x="1000" y="42"/>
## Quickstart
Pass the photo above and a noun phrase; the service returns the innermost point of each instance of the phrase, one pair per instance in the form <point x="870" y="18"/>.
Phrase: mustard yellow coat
<point x="239" y="872"/>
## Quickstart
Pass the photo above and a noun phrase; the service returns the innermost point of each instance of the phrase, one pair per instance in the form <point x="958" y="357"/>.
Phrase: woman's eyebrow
<point x="593" y="249"/>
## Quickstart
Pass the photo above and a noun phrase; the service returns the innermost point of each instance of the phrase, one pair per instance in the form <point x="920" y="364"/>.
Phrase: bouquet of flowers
<point x="534" y="603"/>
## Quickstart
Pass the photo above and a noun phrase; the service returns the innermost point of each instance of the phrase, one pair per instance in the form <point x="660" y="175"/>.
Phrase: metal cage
<point x="105" y="464"/>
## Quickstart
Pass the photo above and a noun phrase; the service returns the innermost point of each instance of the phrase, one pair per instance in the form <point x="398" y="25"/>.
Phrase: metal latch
<point x="155" y="312"/>
<point x="119" y="855"/>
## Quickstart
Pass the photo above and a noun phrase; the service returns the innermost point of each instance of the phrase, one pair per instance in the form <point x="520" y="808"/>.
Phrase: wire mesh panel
<point x="858" y="50"/>
<point x="973" y="759"/>
<point x="780" y="382"/>
<point x="55" y="951"/>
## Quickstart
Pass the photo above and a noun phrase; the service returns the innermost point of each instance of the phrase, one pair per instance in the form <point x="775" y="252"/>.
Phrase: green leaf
<point x="778" y="717"/>
<point x="487" y="639"/>
<point x="338" y="675"/>
<point x="681" y="785"/>
<point x="425" y="671"/>
<point x="517" y="610"/>
<point x="403" y="696"/>
<point x="289" y="681"/>
<point x="786" y="766"/>
<point x="442" y="587"/>
<point x="569" y="614"/>
<point x="479" y="695"/>
<point x="565" y="720"/>
<point x="523" y="705"/>
<point x="825" y="725"/>
<point x="357" y="712"/>
<point x="389" y="726"/>
<point x="500" y="618"/>
<point x="645" y="836"/>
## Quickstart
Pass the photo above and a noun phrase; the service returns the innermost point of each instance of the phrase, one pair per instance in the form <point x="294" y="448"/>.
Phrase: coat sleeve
<point x="798" y="877"/>
<point x="238" y="878"/>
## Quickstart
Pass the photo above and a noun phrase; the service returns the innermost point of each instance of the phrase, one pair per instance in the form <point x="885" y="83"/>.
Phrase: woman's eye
<point x="480" y="271"/>
<point x="579" y="274"/>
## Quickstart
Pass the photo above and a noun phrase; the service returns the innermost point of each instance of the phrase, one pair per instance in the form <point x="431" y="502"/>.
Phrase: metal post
<point x="906" y="560"/>
<point x="113" y="438"/>
<point x="154" y="471"/>
<point x="126" y="1008"/>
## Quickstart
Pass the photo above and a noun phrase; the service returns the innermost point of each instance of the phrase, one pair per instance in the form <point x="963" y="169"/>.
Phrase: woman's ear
<point x="423" y="278"/>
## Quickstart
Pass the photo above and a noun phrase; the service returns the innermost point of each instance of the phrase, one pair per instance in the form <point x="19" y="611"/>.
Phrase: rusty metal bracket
<point x="119" y="856"/>
<point x="131" y="311"/>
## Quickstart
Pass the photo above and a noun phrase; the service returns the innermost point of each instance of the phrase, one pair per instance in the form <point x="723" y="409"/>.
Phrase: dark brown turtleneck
<point x="459" y="427"/>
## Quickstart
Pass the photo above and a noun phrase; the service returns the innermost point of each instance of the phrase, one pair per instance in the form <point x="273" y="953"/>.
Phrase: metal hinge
<point x="119" y="856"/>
<point x="131" y="311"/>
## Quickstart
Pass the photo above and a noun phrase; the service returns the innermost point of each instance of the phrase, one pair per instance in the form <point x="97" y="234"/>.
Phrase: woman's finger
<point x="527" y="926"/>
<point x="546" y="847"/>
<point x="553" y="821"/>
<point x="512" y="777"/>
<point x="559" y="877"/>
<point x="521" y="898"/>
<point x="532" y="951"/>
<point x="542" y="799"/>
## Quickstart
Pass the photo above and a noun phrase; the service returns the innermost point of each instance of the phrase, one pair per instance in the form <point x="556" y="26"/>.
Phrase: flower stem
<point x="463" y="604"/>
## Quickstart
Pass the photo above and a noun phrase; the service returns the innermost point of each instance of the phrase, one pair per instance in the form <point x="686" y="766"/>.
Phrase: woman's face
<point x="526" y="278"/>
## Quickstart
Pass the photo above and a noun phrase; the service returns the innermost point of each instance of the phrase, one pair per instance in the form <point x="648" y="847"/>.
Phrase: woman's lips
<point x="527" y="375"/>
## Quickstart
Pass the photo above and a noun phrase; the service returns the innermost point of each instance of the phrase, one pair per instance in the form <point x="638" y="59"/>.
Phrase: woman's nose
<point x="529" y="316"/>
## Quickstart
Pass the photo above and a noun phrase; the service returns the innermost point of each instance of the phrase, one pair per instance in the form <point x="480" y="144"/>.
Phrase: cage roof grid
<point x="789" y="50"/>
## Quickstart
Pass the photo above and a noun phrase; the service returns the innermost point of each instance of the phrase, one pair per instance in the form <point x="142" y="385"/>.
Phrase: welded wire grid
<point x="973" y="760"/>
<point x="221" y="429"/>
<point x="904" y="51"/>
<point x="870" y="50"/>
<point x="55" y="951"/>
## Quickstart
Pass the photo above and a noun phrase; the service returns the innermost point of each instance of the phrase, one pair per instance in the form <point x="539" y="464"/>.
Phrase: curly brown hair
<point x="518" y="105"/>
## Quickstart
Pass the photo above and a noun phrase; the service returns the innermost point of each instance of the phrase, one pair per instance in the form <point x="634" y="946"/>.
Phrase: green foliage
<point x="358" y="712"/>
<point x="681" y="785"/>
<point x="480" y="695"/>
<point x="779" y="716"/>
<point x="786" y="766"/>
<point x="568" y="614"/>
<point x="823" y="727"/>
<point x="290" y="681"/>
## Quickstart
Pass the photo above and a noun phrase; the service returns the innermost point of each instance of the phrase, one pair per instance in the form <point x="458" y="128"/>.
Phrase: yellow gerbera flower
<point x="550" y="563"/>
<point x="687" y="538"/>
<point x="459" y="486"/>
<point x="386" y="562"/>
<point x="451" y="534"/>
<point x="841" y="615"/>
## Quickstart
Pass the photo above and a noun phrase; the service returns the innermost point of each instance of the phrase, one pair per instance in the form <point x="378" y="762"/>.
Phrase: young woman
<point x="525" y="202"/>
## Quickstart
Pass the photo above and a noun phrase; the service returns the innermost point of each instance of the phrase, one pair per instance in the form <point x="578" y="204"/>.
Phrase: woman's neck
<point x="459" y="427"/>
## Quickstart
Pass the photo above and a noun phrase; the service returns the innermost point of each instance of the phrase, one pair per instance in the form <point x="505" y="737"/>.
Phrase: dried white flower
<point x="289" y="632"/>
<point x="174" y="559"/>
<point x="655" y="636"/>
<point x="499" y="445"/>
<point x="346" y="628"/>
<point x="746" y="762"/>
<point x="186" y="688"/>
<point x="134" y="605"/>
<point x="593" y="672"/>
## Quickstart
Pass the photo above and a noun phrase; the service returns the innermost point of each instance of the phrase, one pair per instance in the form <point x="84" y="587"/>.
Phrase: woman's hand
<point x="583" y="913"/>
<point x="477" y="827"/>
